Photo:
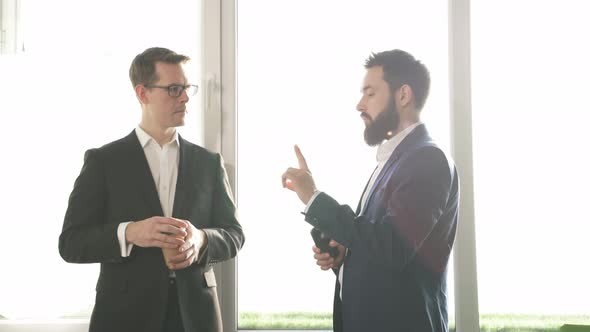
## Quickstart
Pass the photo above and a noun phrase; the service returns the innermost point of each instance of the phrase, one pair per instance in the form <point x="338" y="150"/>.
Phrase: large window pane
<point x="68" y="92"/>
<point x="530" y="116"/>
<point x="300" y="67"/>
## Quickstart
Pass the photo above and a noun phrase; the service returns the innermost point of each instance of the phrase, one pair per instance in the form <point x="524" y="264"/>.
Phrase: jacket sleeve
<point x="85" y="237"/>
<point x="226" y="237"/>
<point x="413" y="204"/>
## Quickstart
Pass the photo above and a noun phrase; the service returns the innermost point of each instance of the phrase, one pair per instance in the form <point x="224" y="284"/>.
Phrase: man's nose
<point x="183" y="96"/>
<point x="360" y="106"/>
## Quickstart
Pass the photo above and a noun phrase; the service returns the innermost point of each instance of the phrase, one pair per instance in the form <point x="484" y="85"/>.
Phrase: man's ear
<point x="141" y="93"/>
<point x="405" y="95"/>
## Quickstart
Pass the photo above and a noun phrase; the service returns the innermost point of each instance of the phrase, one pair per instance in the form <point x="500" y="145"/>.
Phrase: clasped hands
<point x="179" y="239"/>
<point x="301" y="182"/>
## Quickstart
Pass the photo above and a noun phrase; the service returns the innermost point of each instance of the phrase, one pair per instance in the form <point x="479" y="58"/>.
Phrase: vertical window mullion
<point x="466" y="300"/>
<point x="219" y="81"/>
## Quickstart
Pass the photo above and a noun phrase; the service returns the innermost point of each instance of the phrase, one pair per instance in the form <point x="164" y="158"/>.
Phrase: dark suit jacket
<point x="395" y="270"/>
<point x="116" y="185"/>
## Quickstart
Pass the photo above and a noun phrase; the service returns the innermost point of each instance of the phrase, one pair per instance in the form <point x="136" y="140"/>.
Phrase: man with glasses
<point x="393" y="251"/>
<point x="156" y="212"/>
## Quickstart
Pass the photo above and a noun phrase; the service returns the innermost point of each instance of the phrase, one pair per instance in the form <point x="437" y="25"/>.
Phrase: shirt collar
<point x="145" y="138"/>
<point x="386" y="148"/>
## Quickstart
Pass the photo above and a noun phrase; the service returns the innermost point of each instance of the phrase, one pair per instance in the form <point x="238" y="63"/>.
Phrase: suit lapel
<point x="417" y="136"/>
<point x="358" y="206"/>
<point x="141" y="174"/>
<point x="184" y="194"/>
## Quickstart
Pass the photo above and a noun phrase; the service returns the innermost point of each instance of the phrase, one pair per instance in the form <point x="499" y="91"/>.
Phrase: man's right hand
<point x="325" y="261"/>
<point x="161" y="232"/>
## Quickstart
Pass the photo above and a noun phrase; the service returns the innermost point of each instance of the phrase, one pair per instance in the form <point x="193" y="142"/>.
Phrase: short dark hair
<point x="143" y="67"/>
<point x="399" y="68"/>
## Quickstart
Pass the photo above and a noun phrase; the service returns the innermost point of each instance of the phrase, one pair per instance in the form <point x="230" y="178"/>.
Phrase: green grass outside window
<point x="488" y="322"/>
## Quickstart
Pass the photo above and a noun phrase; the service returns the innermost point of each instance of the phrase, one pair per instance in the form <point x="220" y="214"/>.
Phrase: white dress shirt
<point x="163" y="162"/>
<point x="384" y="151"/>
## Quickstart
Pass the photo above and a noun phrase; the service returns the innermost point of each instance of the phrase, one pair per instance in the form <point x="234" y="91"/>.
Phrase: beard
<point x="382" y="126"/>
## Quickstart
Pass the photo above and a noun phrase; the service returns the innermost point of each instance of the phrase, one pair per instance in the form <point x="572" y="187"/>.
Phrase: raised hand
<point x="299" y="179"/>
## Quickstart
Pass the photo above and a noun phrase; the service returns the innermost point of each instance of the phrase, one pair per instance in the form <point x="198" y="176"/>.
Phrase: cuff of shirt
<point x="125" y="248"/>
<point x="315" y="194"/>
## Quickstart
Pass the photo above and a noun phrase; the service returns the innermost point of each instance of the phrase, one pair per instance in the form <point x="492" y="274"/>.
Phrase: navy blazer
<point x="395" y="270"/>
<point x="116" y="185"/>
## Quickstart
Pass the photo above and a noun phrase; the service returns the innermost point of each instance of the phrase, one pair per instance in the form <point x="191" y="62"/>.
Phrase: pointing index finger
<point x="301" y="159"/>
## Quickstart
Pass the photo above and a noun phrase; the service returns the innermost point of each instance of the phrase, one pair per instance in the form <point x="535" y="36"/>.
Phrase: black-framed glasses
<point x="175" y="90"/>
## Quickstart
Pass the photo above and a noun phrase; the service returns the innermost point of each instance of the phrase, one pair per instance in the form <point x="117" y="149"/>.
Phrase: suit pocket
<point x="210" y="278"/>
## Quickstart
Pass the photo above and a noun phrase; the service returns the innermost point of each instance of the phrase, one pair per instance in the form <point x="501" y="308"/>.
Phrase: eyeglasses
<point x="175" y="90"/>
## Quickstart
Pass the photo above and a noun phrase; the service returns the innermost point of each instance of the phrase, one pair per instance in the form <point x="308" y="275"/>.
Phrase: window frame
<point x="464" y="253"/>
<point x="209" y="16"/>
<point x="11" y="38"/>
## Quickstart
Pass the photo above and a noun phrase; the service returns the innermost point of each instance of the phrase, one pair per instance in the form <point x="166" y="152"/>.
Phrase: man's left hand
<point x="299" y="179"/>
<point x="195" y="241"/>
